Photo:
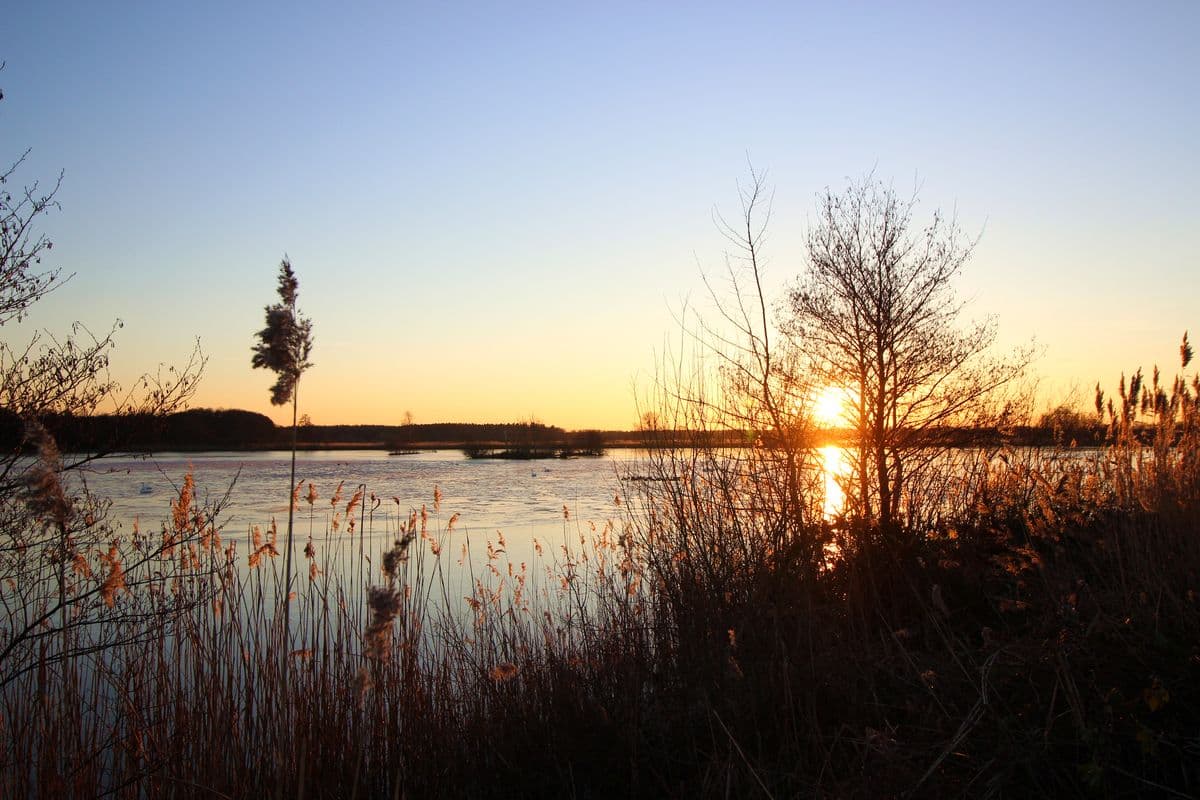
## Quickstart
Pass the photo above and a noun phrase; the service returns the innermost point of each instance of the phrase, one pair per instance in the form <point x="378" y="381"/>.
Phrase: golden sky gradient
<point x="499" y="213"/>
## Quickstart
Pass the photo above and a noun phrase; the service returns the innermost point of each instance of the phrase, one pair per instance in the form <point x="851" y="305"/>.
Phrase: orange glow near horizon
<point x="829" y="407"/>
<point x="466" y="399"/>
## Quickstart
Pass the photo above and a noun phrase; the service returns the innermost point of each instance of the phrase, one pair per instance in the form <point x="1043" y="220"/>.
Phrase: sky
<point x="499" y="212"/>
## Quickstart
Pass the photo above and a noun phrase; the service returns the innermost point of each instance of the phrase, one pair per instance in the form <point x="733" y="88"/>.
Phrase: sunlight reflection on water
<point x="522" y="499"/>
<point x="489" y="495"/>
<point x="835" y="469"/>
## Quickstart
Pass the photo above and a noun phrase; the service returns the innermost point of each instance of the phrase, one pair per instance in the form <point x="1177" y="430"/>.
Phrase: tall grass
<point x="721" y="635"/>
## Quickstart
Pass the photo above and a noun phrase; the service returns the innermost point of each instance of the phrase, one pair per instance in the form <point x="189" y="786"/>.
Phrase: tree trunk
<point x="879" y="443"/>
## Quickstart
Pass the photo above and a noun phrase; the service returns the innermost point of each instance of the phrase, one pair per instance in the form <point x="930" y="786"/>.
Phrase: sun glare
<point x="829" y="407"/>
<point x="836" y="469"/>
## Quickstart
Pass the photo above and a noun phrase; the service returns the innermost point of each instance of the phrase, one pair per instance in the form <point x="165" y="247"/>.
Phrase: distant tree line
<point x="235" y="429"/>
<point x="194" y="429"/>
<point x="415" y="435"/>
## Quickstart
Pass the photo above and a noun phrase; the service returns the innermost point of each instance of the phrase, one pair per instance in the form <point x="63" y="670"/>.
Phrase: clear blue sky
<point x="495" y="210"/>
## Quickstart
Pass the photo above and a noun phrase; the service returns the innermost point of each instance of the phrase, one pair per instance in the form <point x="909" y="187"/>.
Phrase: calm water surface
<point x="489" y="495"/>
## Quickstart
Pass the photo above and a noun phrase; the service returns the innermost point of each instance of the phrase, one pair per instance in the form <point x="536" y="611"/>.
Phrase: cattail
<point x="181" y="508"/>
<point x="262" y="550"/>
<point x="395" y="556"/>
<point x="115" y="581"/>
<point x="168" y="541"/>
<point x="384" y="605"/>
<point x="362" y="684"/>
<point x="502" y="673"/>
<point x="81" y="567"/>
<point x="285" y="344"/>
<point x="355" y="500"/>
<point x="45" y="496"/>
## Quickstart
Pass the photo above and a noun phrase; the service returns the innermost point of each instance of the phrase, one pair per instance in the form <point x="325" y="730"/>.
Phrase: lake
<point x="512" y="496"/>
<point x="507" y="495"/>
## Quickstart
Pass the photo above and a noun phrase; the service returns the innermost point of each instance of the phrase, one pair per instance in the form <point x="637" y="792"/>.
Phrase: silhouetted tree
<point x="1066" y="424"/>
<point x="283" y="347"/>
<point x="875" y="314"/>
<point x="64" y="568"/>
<point x="730" y="483"/>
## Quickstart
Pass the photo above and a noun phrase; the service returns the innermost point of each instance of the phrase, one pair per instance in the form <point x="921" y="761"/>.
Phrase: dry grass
<point x="1036" y="635"/>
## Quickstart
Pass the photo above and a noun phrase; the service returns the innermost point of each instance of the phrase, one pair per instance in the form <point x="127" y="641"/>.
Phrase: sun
<point x="829" y="407"/>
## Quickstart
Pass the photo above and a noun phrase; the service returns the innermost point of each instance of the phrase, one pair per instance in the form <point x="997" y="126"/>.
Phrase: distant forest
<point x="233" y="429"/>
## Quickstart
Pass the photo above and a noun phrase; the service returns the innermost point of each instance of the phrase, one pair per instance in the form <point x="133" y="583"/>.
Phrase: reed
<point x="720" y="635"/>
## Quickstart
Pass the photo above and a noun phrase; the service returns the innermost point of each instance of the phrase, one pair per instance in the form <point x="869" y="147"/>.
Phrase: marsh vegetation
<point x="1034" y="633"/>
<point x="987" y="622"/>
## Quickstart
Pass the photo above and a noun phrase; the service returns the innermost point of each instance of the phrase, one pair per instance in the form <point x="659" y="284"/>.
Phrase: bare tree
<point x="875" y="314"/>
<point x="728" y="497"/>
<point x="22" y="245"/>
<point x="70" y="582"/>
<point x="762" y="392"/>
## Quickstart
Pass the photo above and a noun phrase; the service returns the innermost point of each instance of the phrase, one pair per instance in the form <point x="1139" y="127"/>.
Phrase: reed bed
<point x="1037" y="633"/>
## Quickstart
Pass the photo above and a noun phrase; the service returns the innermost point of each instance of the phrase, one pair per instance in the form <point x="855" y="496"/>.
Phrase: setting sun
<point x="829" y="407"/>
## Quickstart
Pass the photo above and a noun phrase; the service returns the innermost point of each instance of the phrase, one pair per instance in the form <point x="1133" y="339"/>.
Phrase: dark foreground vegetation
<point x="1036" y="634"/>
